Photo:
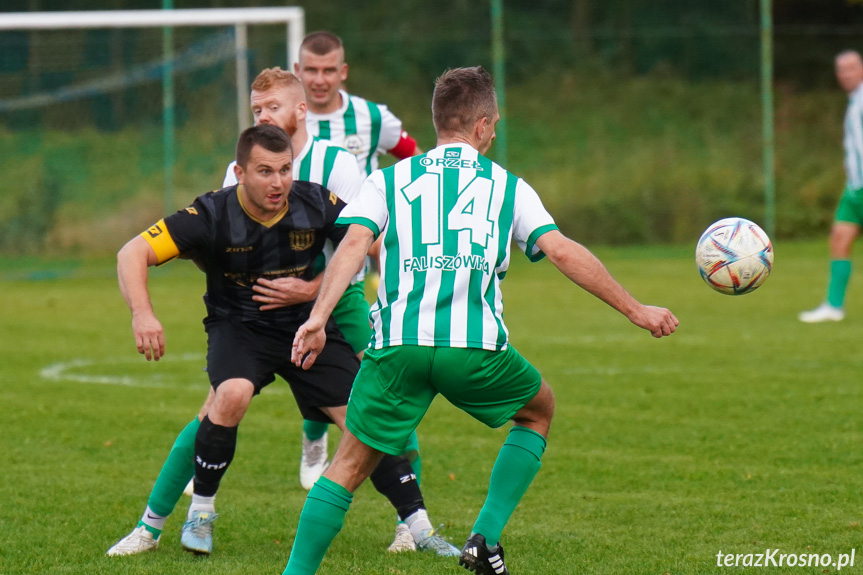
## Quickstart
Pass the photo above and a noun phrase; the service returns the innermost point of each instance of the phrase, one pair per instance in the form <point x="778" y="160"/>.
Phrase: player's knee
<point x="539" y="411"/>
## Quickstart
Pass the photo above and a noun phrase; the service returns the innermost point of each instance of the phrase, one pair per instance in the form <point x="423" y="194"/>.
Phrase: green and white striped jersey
<point x="447" y="218"/>
<point x="320" y="162"/>
<point x="853" y="140"/>
<point x="363" y="128"/>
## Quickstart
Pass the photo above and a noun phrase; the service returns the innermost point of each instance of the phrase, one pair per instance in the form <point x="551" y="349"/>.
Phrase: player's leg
<point x="176" y="472"/>
<point x="495" y="387"/>
<point x="215" y="445"/>
<point x="241" y="360"/>
<point x="846" y="228"/>
<point x="329" y="499"/>
<point x="328" y="502"/>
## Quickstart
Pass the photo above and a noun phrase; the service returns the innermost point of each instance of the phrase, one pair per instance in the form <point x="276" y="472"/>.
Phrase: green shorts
<point x="352" y="317"/>
<point x="396" y="385"/>
<point x="850" y="207"/>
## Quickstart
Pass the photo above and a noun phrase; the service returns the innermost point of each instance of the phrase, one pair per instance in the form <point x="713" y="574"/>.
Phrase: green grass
<point x="739" y="433"/>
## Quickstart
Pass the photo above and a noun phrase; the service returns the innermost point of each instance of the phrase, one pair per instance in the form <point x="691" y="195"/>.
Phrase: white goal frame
<point x="292" y="16"/>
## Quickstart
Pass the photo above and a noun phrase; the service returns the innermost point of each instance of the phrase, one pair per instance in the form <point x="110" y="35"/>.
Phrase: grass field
<point x="740" y="433"/>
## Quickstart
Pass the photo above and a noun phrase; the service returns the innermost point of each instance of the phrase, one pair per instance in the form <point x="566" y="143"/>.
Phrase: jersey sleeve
<point x="530" y="220"/>
<point x="230" y="176"/>
<point x="391" y="130"/>
<point x="345" y="179"/>
<point x="183" y="232"/>
<point x="370" y="207"/>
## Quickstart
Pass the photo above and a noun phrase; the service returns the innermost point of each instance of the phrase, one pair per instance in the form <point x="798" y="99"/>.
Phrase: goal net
<point x="108" y="119"/>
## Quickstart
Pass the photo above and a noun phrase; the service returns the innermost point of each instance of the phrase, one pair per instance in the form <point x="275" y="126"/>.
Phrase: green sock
<point x="320" y="521"/>
<point x="412" y="452"/>
<point x="840" y="273"/>
<point x="514" y="469"/>
<point x="176" y="472"/>
<point x="314" y="429"/>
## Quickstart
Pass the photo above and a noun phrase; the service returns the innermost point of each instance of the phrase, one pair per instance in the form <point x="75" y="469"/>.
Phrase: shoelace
<point x="436" y="540"/>
<point x="203" y="524"/>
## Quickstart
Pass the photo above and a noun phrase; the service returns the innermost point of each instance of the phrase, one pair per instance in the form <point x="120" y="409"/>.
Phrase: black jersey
<point x="235" y="249"/>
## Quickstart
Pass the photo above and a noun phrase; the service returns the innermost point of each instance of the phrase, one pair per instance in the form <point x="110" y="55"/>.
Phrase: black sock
<point x="395" y="479"/>
<point x="214" y="450"/>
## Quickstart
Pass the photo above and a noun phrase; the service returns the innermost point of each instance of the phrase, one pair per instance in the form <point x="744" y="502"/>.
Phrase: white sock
<point x="153" y="519"/>
<point x="417" y="523"/>
<point x="202" y="503"/>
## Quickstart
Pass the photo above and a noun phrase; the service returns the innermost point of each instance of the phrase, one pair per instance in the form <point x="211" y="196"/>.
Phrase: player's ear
<point x="344" y="71"/>
<point x="301" y="112"/>
<point x="296" y="68"/>
<point x="238" y="171"/>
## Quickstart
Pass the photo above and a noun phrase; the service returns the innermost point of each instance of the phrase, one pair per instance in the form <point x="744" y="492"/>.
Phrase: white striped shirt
<point x="363" y="128"/>
<point x="447" y="218"/>
<point x="853" y="140"/>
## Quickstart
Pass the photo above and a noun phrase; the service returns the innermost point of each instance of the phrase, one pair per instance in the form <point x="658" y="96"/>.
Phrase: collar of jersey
<point x="266" y="223"/>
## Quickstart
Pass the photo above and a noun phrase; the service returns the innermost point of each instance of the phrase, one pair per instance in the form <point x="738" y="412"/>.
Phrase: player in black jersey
<point x="265" y="227"/>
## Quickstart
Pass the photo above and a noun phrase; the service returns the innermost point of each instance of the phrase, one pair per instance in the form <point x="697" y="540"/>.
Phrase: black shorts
<point x="257" y="352"/>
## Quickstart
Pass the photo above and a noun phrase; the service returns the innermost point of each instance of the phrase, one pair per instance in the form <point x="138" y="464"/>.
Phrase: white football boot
<point x="314" y="461"/>
<point x="824" y="312"/>
<point x="138" y="541"/>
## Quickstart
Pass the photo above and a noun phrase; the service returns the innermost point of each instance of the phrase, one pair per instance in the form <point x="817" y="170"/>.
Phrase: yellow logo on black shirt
<point x="333" y="198"/>
<point x="192" y="211"/>
<point x="302" y="240"/>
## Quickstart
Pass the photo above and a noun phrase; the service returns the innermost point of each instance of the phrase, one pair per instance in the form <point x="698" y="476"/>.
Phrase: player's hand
<point x="283" y="292"/>
<point x="149" y="337"/>
<point x="657" y="320"/>
<point x="309" y="342"/>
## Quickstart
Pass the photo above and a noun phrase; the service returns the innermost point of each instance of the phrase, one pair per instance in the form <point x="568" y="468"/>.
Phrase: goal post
<point x="239" y="18"/>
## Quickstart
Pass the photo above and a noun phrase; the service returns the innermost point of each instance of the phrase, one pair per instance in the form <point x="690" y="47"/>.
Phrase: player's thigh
<point x="391" y="395"/>
<point x="491" y="386"/>
<point x="328" y="382"/>
<point x="239" y="350"/>
<point x="352" y="317"/>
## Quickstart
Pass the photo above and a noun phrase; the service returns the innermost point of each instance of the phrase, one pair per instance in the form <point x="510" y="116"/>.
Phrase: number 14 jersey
<point x="447" y="218"/>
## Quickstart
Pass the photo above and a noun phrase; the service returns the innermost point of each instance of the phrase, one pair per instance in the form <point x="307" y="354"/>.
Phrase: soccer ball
<point x="734" y="256"/>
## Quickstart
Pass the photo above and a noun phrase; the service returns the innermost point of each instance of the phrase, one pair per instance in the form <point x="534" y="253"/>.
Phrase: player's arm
<point x="310" y="338"/>
<point x="132" y="263"/>
<point x="406" y="147"/>
<point x="584" y="269"/>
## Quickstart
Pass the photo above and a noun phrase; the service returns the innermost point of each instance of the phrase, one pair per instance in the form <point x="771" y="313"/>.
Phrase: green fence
<point x="637" y="121"/>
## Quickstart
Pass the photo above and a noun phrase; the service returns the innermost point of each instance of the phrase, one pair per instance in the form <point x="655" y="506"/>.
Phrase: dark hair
<point x="269" y="137"/>
<point x="461" y="97"/>
<point x="321" y="43"/>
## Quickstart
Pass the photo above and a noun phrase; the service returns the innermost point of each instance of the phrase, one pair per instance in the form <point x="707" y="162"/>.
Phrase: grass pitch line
<point x="76" y="371"/>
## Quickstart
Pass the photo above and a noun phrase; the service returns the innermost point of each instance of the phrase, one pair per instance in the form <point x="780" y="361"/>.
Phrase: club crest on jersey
<point x="301" y="240"/>
<point x="353" y="144"/>
<point x="452" y="154"/>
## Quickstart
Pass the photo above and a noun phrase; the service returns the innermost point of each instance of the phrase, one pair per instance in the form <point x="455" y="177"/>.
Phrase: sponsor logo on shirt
<point x="446" y="263"/>
<point x="449" y="163"/>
